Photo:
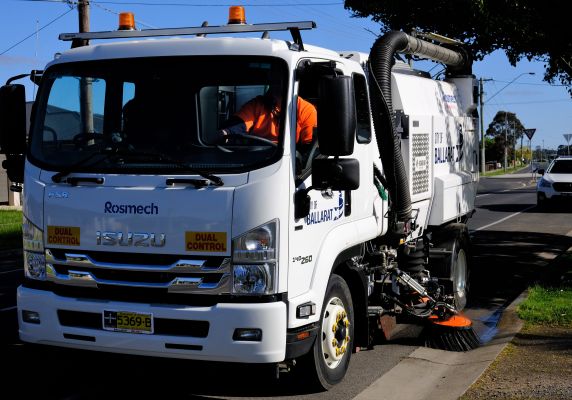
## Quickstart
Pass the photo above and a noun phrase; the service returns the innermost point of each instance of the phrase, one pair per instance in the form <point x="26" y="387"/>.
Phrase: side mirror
<point x="13" y="119"/>
<point x="327" y="173"/>
<point x="13" y="130"/>
<point x="335" y="174"/>
<point x="336" y="116"/>
<point x="541" y="171"/>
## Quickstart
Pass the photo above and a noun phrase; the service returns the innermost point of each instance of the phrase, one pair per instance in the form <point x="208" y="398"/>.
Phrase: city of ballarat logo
<point x="327" y="214"/>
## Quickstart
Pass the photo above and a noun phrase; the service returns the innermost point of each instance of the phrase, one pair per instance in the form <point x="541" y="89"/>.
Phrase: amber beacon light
<point x="126" y="21"/>
<point x="236" y="15"/>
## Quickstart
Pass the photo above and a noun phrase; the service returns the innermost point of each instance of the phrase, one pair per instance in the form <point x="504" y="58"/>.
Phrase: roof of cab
<point x="187" y="46"/>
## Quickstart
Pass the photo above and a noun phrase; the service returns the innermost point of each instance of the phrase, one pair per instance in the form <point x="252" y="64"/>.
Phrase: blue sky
<point x="537" y="104"/>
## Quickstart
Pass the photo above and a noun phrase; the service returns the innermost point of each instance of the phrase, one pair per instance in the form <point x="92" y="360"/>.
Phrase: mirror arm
<point x="302" y="203"/>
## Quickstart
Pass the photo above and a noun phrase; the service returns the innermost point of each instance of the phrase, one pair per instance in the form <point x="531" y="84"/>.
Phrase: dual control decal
<point x="63" y="235"/>
<point x="319" y="214"/>
<point x="206" y="242"/>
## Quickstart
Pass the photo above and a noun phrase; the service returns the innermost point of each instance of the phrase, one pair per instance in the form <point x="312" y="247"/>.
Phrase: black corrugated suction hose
<point x="389" y="143"/>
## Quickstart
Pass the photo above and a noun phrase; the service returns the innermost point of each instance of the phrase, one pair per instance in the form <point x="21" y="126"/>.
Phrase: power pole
<point x="505" y="140"/>
<point x="83" y="18"/>
<point x="483" y="167"/>
<point x="86" y="90"/>
<point x="521" y="150"/>
<point x="482" y="115"/>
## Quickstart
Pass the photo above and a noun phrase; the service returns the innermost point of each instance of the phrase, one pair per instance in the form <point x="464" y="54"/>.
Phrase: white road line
<point x="8" y="309"/>
<point x="504" y="219"/>
<point x="10" y="271"/>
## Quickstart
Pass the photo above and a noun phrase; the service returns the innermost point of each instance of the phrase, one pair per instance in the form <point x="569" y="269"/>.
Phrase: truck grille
<point x="168" y="273"/>
<point x="562" y="186"/>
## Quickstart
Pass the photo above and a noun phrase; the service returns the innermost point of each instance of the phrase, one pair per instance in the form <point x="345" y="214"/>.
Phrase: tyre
<point x="328" y="360"/>
<point x="541" y="200"/>
<point x="455" y="266"/>
<point x="460" y="272"/>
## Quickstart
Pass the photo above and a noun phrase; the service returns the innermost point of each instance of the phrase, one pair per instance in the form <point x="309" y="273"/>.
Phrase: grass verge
<point x="10" y="229"/>
<point x="501" y="171"/>
<point x="547" y="306"/>
<point x="550" y="301"/>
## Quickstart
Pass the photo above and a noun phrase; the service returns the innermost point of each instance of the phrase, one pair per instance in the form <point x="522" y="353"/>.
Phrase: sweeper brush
<point x="454" y="333"/>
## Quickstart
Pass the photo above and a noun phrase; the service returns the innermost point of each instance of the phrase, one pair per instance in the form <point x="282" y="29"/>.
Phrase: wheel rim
<point x="460" y="283"/>
<point x="335" y="333"/>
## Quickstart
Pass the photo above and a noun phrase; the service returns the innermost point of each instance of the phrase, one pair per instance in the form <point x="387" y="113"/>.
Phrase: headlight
<point x="253" y="279"/>
<point x="34" y="257"/>
<point x="255" y="262"/>
<point x="544" y="183"/>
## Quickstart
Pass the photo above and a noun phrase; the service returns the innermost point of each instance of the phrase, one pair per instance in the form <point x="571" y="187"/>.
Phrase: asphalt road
<point x="512" y="243"/>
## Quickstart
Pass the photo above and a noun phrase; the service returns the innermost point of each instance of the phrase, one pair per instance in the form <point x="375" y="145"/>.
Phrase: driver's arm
<point x="244" y="119"/>
<point x="234" y="126"/>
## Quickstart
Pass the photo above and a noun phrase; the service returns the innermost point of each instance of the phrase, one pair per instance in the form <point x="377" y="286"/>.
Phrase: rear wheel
<point x="329" y="358"/>
<point x="460" y="275"/>
<point x="455" y="265"/>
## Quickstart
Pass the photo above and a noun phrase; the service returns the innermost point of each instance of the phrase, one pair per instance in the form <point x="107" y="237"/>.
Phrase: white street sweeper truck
<point x="147" y="232"/>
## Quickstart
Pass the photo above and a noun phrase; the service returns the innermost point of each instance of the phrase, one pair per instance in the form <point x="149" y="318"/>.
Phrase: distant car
<point x="556" y="181"/>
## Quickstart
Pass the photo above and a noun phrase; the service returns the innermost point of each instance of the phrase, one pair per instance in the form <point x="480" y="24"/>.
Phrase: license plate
<point x="127" y="321"/>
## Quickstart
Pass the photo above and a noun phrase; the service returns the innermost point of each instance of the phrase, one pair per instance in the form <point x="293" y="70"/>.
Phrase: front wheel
<point x="329" y="358"/>
<point x="541" y="200"/>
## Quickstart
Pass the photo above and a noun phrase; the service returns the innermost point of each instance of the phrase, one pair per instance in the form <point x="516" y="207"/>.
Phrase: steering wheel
<point x="83" y="139"/>
<point x="52" y="131"/>
<point x="233" y="137"/>
<point x="54" y="134"/>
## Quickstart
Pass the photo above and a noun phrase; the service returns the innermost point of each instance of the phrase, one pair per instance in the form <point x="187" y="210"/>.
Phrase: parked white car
<point x="556" y="181"/>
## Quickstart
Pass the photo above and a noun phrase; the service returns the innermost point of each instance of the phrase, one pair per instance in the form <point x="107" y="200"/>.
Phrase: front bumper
<point x="550" y="193"/>
<point x="218" y="345"/>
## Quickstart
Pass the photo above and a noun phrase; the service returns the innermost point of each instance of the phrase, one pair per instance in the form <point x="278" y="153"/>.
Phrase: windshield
<point x="561" y="167"/>
<point x="156" y="114"/>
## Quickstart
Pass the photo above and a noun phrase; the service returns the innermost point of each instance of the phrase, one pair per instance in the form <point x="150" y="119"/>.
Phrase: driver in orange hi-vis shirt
<point x="261" y="117"/>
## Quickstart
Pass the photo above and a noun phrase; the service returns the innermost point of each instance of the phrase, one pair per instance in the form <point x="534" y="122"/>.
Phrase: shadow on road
<point x="505" y="263"/>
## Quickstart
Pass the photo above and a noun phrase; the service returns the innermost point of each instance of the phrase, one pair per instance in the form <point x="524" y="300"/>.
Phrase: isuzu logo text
<point x="149" y="209"/>
<point x="137" y="239"/>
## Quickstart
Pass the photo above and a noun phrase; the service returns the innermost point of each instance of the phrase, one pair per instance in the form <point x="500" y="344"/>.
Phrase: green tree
<point x="531" y="29"/>
<point x="524" y="153"/>
<point x="505" y="130"/>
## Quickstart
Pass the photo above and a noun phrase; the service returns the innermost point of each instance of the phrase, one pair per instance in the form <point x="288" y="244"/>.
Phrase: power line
<point x="144" y="3"/>
<point x="147" y="3"/>
<point x="116" y="13"/>
<point x="527" y="83"/>
<point x="36" y="31"/>
<point x="539" y="101"/>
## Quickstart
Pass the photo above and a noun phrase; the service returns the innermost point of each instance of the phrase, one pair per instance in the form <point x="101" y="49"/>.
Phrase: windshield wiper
<point x="57" y="178"/>
<point x="215" y="180"/>
<point x="115" y="152"/>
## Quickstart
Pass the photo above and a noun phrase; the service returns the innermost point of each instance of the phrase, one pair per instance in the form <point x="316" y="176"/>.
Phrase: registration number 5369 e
<point x="127" y="321"/>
